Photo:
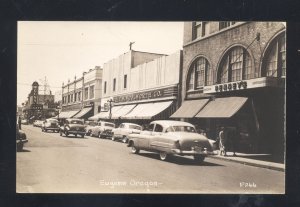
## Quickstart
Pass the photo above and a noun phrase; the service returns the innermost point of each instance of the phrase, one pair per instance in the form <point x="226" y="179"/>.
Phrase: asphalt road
<point x="54" y="164"/>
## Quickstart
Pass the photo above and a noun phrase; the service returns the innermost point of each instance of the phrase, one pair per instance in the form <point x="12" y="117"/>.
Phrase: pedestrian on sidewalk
<point x="223" y="141"/>
<point x="19" y="122"/>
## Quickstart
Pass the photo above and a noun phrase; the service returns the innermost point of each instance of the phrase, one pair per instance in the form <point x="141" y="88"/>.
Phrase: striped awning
<point x="122" y="111"/>
<point x="189" y="108"/>
<point x="83" y="112"/>
<point x="105" y="114"/>
<point x="222" y="107"/>
<point x="67" y="114"/>
<point x="147" y="110"/>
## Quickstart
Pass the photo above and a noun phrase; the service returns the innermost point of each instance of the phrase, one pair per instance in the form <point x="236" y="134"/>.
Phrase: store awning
<point x="122" y="111"/>
<point x="189" y="108"/>
<point x="222" y="107"/>
<point x="147" y="110"/>
<point x="83" y="112"/>
<point x="67" y="114"/>
<point x="105" y="114"/>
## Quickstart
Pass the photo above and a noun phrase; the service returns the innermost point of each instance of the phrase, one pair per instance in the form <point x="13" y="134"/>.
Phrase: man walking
<point x="223" y="141"/>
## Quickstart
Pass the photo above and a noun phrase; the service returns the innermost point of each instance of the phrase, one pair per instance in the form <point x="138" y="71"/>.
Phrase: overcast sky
<point x="61" y="50"/>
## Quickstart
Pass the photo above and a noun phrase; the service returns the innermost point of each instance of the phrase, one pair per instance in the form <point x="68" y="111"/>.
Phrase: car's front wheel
<point x="82" y="135"/>
<point x="60" y="132"/>
<point x="163" y="155"/>
<point x="113" y="138"/>
<point x="134" y="150"/>
<point x="124" y="140"/>
<point x="20" y="146"/>
<point x="99" y="135"/>
<point x="199" y="158"/>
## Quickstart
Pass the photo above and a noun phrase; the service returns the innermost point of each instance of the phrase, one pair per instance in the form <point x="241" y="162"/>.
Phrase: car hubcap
<point x="163" y="155"/>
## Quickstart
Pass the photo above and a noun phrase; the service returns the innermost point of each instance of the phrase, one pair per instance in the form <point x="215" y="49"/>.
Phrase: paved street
<point x="54" y="164"/>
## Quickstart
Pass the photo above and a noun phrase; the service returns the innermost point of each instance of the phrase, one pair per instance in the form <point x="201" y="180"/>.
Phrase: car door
<point x="155" y="140"/>
<point x="143" y="138"/>
<point x="118" y="131"/>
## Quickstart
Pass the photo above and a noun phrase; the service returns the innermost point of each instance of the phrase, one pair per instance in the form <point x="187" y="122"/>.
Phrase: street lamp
<point x="110" y="100"/>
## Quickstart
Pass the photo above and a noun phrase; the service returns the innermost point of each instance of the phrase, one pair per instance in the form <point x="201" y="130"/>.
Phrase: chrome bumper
<point x="192" y="152"/>
<point x="76" y="132"/>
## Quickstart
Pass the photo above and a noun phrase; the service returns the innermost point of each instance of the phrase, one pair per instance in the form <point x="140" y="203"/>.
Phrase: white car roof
<point x="126" y="123"/>
<point x="167" y="123"/>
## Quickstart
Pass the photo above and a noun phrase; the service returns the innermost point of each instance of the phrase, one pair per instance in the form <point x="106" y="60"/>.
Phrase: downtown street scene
<point x="151" y="107"/>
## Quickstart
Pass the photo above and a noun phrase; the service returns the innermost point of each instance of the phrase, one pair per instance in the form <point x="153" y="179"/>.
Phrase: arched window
<point x="235" y="65"/>
<point x="274" y="62"/>
<point x="200" y="74"/>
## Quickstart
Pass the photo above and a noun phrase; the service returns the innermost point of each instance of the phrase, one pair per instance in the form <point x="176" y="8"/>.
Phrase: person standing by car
<point x="223" y="141"/>
<point x="19" y="122"/>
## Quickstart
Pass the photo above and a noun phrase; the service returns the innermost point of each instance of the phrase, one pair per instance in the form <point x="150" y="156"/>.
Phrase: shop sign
<point x="245" y="84"/>
<point x="151" y="94"/>
<point x="36" y="107"/>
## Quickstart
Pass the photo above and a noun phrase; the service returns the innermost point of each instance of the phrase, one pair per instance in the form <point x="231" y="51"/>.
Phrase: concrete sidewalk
<point x="249" y="159"/>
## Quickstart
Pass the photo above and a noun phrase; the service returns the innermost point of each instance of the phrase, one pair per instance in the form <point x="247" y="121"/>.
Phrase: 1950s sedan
<point x="72" y="126"/>
<point x="171" y="137"/>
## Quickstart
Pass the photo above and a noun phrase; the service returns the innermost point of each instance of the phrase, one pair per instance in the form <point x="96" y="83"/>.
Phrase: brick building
<point x="234" y="76"/>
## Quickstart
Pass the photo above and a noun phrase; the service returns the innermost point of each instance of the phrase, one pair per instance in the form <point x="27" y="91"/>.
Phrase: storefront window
<point x="200" y="74"/>
<point x="86" y="93"/>
<point x="235" y="66"/>
<point x="275" y="60"/>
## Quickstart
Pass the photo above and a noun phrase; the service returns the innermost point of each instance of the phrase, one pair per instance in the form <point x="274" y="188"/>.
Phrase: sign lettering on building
<point x="151" y="94"/>
<point x="245" y="84"/>
<point x="36" y="107"/>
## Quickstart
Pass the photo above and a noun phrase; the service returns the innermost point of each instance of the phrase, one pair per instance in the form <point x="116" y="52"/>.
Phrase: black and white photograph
<point x="151" y="107"/>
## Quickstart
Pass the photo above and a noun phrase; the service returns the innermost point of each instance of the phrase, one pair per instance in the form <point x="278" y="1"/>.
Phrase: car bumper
<point x="22" y="141"/>
<point x="192" y="152"/>
<point x="52" y="128"/>
<point x="76" y="132"/>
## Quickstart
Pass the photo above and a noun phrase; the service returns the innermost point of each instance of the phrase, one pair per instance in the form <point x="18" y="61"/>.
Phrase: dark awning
<point x="189" y="108"/>
<point x="222" y="107"/>
<point x="83" y="112"/>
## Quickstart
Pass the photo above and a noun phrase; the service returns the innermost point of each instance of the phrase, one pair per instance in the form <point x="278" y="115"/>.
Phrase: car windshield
<point x="181" y="129"/>
<point x="109" y="125"/>
<point x="76" y="122"/>
<point x="135" y="127"/>
<point x="92" y="124"/>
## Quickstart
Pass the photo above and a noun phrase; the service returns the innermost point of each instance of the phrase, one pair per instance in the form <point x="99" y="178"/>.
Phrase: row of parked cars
<point x="165" y="137"/>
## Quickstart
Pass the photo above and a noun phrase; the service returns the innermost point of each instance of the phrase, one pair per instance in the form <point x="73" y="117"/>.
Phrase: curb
<point x="271" y="167"/>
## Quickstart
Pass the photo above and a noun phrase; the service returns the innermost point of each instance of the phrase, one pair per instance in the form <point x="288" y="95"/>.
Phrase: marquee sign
<point x="36" y="106"/>
<point x="244" y="84"/>
<point x="146" y="95"/>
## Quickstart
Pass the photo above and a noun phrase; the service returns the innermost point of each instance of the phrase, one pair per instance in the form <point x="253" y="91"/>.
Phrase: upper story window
<point x="125" y="81"/>
<point x="274" y="62"/>
<point x="79" y="95"/>
<point x="114" y="84"/>
<point x="235" y="65"/>
<point x="104" y="86"/>
<point x="200" y="74"/>
<point x="223" y="25"/>
<point x="75" y="97"/>
<point x="199" y="29"/>
<point x="92" y="93"/>
<point x="86" y="93"/>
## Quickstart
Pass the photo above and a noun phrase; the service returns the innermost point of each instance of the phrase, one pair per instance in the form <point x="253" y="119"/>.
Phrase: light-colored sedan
<point x="103" y="129"/>
<point x="122" y="132"/>
<point x="171" y="137"/>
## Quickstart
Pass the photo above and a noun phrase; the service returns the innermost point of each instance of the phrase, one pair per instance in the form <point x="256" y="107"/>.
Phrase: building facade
<point x="39" y="106"/>
<point x="234" y="76"/>
<point x="81" y="97"/>
<point x="140" y="86"/>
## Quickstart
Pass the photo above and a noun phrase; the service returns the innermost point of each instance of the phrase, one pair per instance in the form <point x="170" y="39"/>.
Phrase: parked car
<point x="171" y="137"/>
<point x="72" y="126"/>
<point x="20" y="139"/>
<point x="88" y="126"/>
<point x="122" y="132"/>
<point x="103" y="129"/>
<point x="38" y="123"/>
<point x="50" y="124"/>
